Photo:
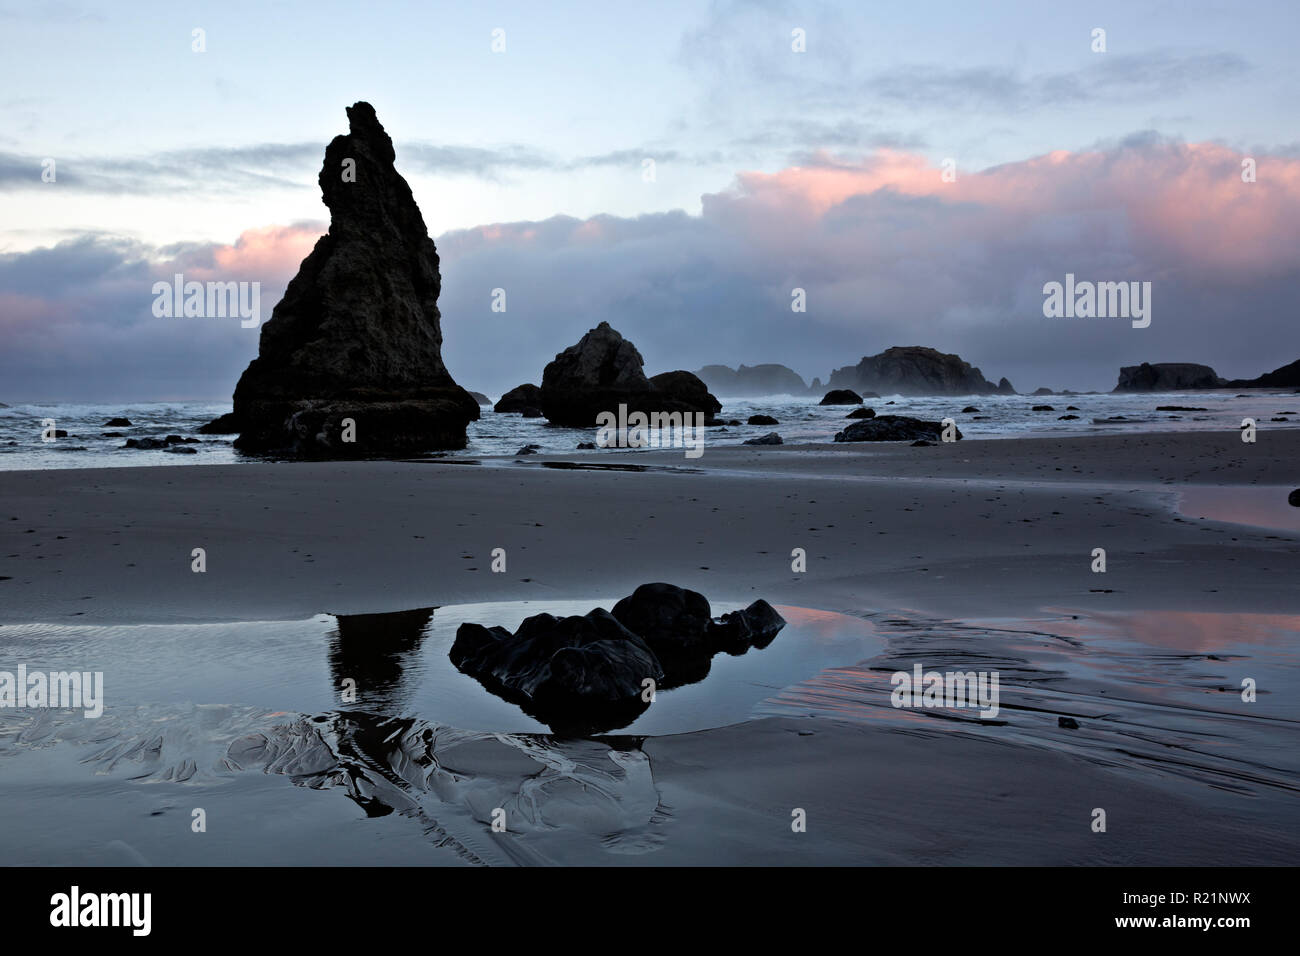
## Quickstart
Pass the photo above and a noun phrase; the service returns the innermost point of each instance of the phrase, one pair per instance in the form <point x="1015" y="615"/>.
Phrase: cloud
<point x="886" y="250"/>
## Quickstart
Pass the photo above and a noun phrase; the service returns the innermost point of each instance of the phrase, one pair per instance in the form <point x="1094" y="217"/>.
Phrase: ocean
<point x="801" y="420"/>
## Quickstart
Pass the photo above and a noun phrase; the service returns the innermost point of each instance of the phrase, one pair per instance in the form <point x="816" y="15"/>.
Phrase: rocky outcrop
<point x="587" y="674"/>
<point x="1166" y="377"/>
<point x="762" y="420"/>
<point x="752" y="380"/>
<point x="771" y="438"/>
<point x="358" y="334"/>
<point x="1288" y="376"/>
<point x="118" y="423"/>
<point x="863" y="412"/>
<point x="841" y="396"/>
<point x="687" y="389"/>
<point x="603" y="371"/>
<point x="915" y="370"/>
<point x="568" y="671"/>
<point x="519" y="398"/>
<point x="1005" y="387"/>
<point x="480" y="398"/>
<point x="894" y="428"/>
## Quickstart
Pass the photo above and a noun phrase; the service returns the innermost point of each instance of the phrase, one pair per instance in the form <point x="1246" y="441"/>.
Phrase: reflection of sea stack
<point x="357" y="335"/>
<point x="376" y="651"/>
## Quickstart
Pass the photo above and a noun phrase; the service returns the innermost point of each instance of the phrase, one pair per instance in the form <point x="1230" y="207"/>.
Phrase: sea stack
<point x="604" y="370"/>
<point x="350" y="362"/>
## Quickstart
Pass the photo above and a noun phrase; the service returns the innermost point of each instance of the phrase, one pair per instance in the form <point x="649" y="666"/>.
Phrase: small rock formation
<point x="1042" y="391"/>
<point x="771" y="438"/>
<point x="841" y="396"/>
<point x="914" y="370"/>
<point x="1005" y="387"/>
<point x="1166" y="377"/>
<point x="1180" y="408"/>
<point x="863" y="412"/>
<point x="1067" y="418"/>
<point x="480" y="398"/>
<point x="762" y="420"/>
<point x="752" y="380"/>
<point x="1068" y="723"/>
<point x="604" y="370"/>
<point x="519" y="398"/>
<point x="1293" y="499"/>
<point x="358" y="334"/>
<point x="118" y="423"/>
<point x="969" y="410"/>
<point x="673" y="621"/>
<point x="575" y="673"/>
<point x="893" y="428"/>
<point x="686" y="389"/>
<point x="1043" y="408"/>
<point x="584" y="674"/>
<point x="225" y="424"/>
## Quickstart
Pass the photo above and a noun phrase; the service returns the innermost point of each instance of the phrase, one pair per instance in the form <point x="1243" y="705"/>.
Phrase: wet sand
<point x="944" y="536"/>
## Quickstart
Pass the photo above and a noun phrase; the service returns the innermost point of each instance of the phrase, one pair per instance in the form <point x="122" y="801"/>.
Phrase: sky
<point x="919" y="170"/>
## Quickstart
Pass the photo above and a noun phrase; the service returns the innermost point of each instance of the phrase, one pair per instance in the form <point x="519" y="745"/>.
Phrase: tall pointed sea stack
<point x="357" y="335"/>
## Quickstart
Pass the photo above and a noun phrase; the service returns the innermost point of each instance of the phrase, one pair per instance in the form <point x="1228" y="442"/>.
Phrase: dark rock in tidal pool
<point x="1166" y="377"/>
<point x="602" y="371"/>
<point x="1044" y="408"/>
<point x="914" y="370"/>
<point x="673" y="621"/>
<point x="969" y="409"/>
<point x="771" y="438"/>
<point x="863" y="412"/>
<point x="1069" y="723"/>
<point x="1293" y="499"/>
<point x="1067" y="418"/>
<point x="118" y="423"/>
<point x="841" y="396"/>
<point x="145" y="444"/>
<point x="586" y="446"/>
<point x="980" y="418"/>
<point x="754" y="626"/>
<point x="1180" y="408"/>
<point x="350" y="362"/>
<point x="519" y="398"/>
<point x="894" y="428"/>
<point x="762" y="420"/>
<point x="181" y="450"/>
<point x="1112" y="420"/>
<point x="576" y="673"/>
<point x="1071" y="408"/>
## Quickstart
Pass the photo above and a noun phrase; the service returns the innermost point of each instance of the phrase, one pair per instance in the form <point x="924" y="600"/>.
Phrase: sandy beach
<point x="973" y="545"/>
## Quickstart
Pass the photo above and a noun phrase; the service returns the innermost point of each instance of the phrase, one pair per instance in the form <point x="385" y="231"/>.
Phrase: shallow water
<point x="1263" y="506"/>
<point x="244" y="721"/>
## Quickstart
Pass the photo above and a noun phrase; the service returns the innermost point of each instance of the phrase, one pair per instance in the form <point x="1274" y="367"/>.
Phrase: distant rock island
<point x="751" y="380"/>
<point x="358" y="334"/>
<point x="604" y="370"/>
<point x="916" y="370"/>
<point x="1166" y="377"/>
<point x="1176" y="376"/>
